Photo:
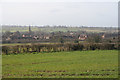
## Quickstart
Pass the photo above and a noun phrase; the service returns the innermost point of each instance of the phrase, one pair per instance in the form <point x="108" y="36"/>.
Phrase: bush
<point x="36" y="48"/>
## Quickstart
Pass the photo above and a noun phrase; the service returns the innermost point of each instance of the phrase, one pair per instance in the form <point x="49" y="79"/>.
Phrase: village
<point x="69" y="36"/>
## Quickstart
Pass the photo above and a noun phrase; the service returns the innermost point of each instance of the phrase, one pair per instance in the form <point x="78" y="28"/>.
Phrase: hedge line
<point x="56" y="47"/>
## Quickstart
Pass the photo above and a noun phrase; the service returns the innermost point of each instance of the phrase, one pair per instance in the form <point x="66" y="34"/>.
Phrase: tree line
<point x="37" y="48"/>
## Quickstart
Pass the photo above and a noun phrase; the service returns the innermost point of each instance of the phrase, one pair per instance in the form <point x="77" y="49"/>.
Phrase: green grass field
<point x="75" y="64"/>
<point x="52" y="29"/>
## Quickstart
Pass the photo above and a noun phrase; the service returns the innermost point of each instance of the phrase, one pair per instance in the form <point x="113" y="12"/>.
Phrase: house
<point x="46" y="37"/>
<point x="35" y="37"/>
<point x="103" y="36"/>
<point x="8" y="39"/>
<point x="71" y="33"/>
<point x="82" y="37"/>
<point x="23" y="35"/>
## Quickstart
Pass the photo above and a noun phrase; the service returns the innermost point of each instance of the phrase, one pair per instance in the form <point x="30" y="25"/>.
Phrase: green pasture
<point x="74" y="64"/>
<point x="15" y="44"/>
<point x="64" y="29"/>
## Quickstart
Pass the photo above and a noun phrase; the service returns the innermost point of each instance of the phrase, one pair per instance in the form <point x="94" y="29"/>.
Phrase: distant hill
<point x="58" y="28"/>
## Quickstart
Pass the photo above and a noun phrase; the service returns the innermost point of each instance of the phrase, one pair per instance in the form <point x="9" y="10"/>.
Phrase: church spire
<point x="30" y="30"/>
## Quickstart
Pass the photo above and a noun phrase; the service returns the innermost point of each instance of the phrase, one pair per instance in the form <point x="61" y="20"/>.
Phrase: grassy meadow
<point x="57" y="29"/>
<point x="73" y="64"/>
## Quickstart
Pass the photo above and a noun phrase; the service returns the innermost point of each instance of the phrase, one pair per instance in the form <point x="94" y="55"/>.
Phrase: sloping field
<point x="76" y="64"/>
<point x="57" y="29"/>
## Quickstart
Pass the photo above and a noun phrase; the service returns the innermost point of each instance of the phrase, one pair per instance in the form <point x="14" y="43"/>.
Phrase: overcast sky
<point x="64" y="12"/>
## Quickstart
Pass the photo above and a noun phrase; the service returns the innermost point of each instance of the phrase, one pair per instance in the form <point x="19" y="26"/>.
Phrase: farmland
<point x="59" y="52"/>
<point x="57" y="29"/>
<point x="70" y="64"/>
